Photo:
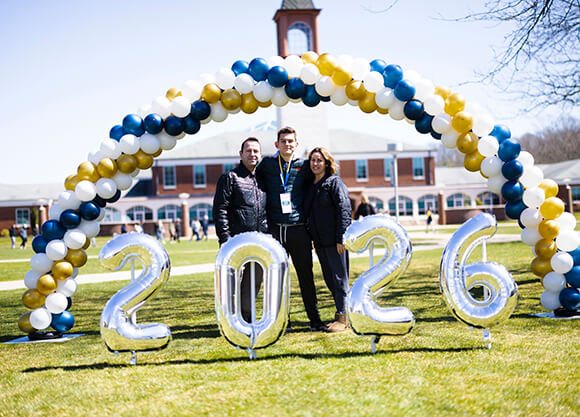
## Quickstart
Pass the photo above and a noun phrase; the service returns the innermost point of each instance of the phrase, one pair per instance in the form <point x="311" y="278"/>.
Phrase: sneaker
<point x="318" y="327"/>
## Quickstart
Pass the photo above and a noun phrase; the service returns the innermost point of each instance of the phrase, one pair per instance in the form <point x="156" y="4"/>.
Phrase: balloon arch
<point x="311" y="78"/>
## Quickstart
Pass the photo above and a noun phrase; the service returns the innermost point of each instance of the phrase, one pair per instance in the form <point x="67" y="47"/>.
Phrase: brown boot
<point x="339" y="324"/>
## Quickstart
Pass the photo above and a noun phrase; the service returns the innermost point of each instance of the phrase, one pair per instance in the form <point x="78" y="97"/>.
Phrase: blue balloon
<point x="240" y="67"/>
<point x="153" y="123"/>
<point x="325" y="99"/>
<point x="295" y="88"/>
<point x="258" y="69"/>
<point x="423" y="124"/>
<point x="501" y="132"/>
<point x="509" y="149"/>
<point x="52" y="229"/>
<point x="99" y="201"/>
<point x="512" y="191"/>
<point x="117" y="132"/>
<point x="573" y="276"/>
<point x="200" y="110"/>
<point x="173" y="126"/>
<point x="39" y="244"/>
<point x="89" y="210"/>
<point x="522" y="226"/>
<point x="414" y="109"/>
<point x="435" y="135"/>
<point x="277" y="76"/>
<point x="62" y="322"/>
<point x="311" y="97"/>
<point x="575" y="255"/>
<point x="115" y="197"/>
<point x="570" y="298"/>
<point x="392" y="75"/>
<point x="404" y="90"/>
<point x="378" y="65"/>
<point x="70" y="219"/>
<point x="190" y="125"/>
<point x="133" y="124"/>
<point x="68" y="303"/>
<point x="514" y="210"/>
<point x="512" y="170"/>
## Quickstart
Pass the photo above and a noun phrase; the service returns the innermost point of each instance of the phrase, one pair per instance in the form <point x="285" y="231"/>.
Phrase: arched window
<point x="140" y="213"/>
<point x="377" y="202"/>
<point x="200" y="210"/>
<point x="458" y="200"/>
<point x="299" y="38"/>
<point x="405" y="206"/>
<point x="487" y="198"/>
<point x="112" y="215"/>
<point x="169" y="212"/>
<point x="427" y="202"/>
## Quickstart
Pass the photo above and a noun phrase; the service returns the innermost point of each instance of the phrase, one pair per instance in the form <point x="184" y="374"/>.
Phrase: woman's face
<point x="317" y="163"/>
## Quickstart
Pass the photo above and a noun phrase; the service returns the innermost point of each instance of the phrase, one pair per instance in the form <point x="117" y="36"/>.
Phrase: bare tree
<point x="554" y="143"/>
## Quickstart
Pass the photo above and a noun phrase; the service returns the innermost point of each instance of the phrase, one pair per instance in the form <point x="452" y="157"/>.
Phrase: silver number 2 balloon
<point x="118" y="330"/>
<point x="240" y="250"/>
<point x="457" y="278"/>
<point x="365" y="316"/>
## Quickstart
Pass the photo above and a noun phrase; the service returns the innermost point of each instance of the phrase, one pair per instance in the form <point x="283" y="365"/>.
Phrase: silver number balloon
<point x="270" y="255"/>
<point x="118" y="330"/>
<point x="457" y="278"/>
<point x="365" y="316"/>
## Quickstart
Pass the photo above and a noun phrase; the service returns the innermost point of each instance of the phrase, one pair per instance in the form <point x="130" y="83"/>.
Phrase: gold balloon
<point x="442" y="91"/>
<point x="107" y="168"/>
<point x="265" y="104"/>
<point x="541" y="266"/>
<point x="77" y="257"/>
<point x="62" y="270"/>
<point x="341" y="77"/>
<point x="231" y="99"/>
<point x="545" y="248"/>
<point x="86" y="245"/>
<point x="326" y="64"/>
<point x="126" y="163"/>
<point x="211" y="93"/>
<point x="462" y="121"/>
<point x="355" y="90"/>
<point x="144" y="160"/>
<point x="550" y="187"/>
<point x="549" y="229"/>
<point x="88" y="171"/>
<point x="46" y="284"/>
<point x="454" y="103"/>
<point x="24" y="323"/>
<point x="382" y="111"/>
<point x="249" y="103"/>
<point x="367" y="104"/>
<point x="71" y="182"/>
<point x="467" y="143"/>
<point x="472" y="161"/>
<point x="552" y="208"/>
<point x="172" y="93"/>
<point x="156" y="154"/>
<point x="309" y="57"/>
<point x="33" y="299"/>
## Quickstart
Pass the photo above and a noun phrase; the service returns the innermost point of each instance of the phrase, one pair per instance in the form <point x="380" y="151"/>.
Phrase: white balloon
<point x="75" y="238"/>
<point x="90" y="228"/>
<point x="31" y="279"/>
<point x="40" y="318"/>
<point x="412" y="75"/>
<point x="397" y="110"/>
<point x="110" y="149"/>
<point x="137" y="171"/>
<point x="310" y="74"/>
<point x="162" y="106"/>
<point x="56" y="250"/>
<point x="56" y="303"/>
<point x="67" y="287"/>
<point x="123" y="181"/>
<point x="562" y="262"/>
<point x="495" y="183"/>
<point x="106" y="187"/>
<point x="568" y="240"/>
<point x="530" y="236"/>
<point x="434" y="104"/>
<point x="373" y="81"/>
<point x="360" y="67"/>
<point x="550" y="300"/>
<point x="74" y="274"/>
<point x="95" y="157"/>
<point x="244" y="83"/>
<point x="40" y="263"/>
<point x="531" y="217"/>
<point x="353" y="103"/>
<point x="339" y="97"/>
<point x="488" y="146"/>
<point x="180" y="106"/>
<point x="293" y="65"/>
<point x="554" y="282"/>
<point x="325" y="86"/>
<point x="345" y="61"/>
<point x="191" y="90"/>
<point x="224" y="78"/>
<point x="206" y="120"/>
<point x="207" y="78"/>
<point x="526" y="158"/>
<point x="534" y="197"/>
<point x="166" y="141"/>
<point x="449" y="138"/>
<point x="149" y="143"/>
<point x="424" y="88"/>
<point x="491" y="166"/>
<point x="129" y="144"/>
<point x="567" y="221"/>
<point x="274" y="61"/>
<point x="55" y="211"/>
<point x="279" y="98"/>
<point x="532" y="176"/>
<point x="218" y="112"/>
<point x="68" y="200"/>
<point x="482" y="124"/>
<point x="442" y="124"/>
<point x="102" y="213"/>
<point x="85" y="190"/>
<point x="385" y="98"/>
<point x="144" y="110"/>
<point x="234" y="111"/>
<point x="263" y="91"/>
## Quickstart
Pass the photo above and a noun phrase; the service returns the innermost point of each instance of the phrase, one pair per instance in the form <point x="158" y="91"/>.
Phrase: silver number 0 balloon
<point x="118" y="331"/>
<point x="365" y="316"/>
<point x="457" y="278"/>
<point x="232" y="257"/>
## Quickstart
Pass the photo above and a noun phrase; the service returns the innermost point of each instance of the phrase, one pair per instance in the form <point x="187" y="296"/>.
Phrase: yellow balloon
<point x="341" y="77"/>
<point x="24" y="323"/>
<point x="545" y="248"/>
<point x="382" y="111"/>
<point x="541" y="266"/>
<point x="467" y="143"/>
<point x="454" y="103"/>
<point x="265" y="104"/>
<point x="156" y="154"/>
<point x="33" y="299"/>
<point x="46" y="284"/>
<point x="77" y="257"/>
<point x="126" y="163"/>
<point x="88" y="171"/>
<point x="462" y="121"/>
<point x="552" y="208"/>
<point x="87" y="244"/>
<point x="549" y="229"/>
<point x="62" y="269"/>
<point x="355" y="90"/>
<point x="249" y="103"/>
<point x="309" y="57"/>
<point x="71" y="182"/>
<point x="172" y="93"/>
<point x="231" y="99"/>
<point x="326" y="64"/>
<point x="144" y="160"/>
<point x="472" y="161"/>
<point x="107" y="168"/>
<point x="442" y="91"/>
<point x="211" y="93"/>
<point x="367" y="104"/>
<point x="550" y="187"/>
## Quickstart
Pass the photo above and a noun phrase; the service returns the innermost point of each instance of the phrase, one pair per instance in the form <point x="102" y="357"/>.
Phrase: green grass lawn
<point x="441" y="368"/>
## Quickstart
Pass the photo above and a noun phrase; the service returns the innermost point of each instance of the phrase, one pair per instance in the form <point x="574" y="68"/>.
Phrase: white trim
<point x="380" y="155"/>
<point x="196" y="161"/>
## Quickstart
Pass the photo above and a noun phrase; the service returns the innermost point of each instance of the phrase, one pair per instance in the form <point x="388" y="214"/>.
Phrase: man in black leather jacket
<point x="239" y="205"/>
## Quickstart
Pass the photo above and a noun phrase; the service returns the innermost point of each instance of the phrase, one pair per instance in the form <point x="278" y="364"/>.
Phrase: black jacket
<point x="328" y="210"/>
<point x="239" y="204"/>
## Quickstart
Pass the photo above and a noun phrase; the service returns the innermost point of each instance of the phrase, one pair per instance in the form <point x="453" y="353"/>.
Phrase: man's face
<point x="251" y="155"/>
<point x="287" y="144"/>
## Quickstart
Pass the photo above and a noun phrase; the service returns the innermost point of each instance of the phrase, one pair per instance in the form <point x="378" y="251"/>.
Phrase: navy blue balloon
<point x="512" y="170"/>
<point x="509" y="149"/>
<point x="200" y="110"/>
<point x="117" y="132"/>
<point x="115" y="197"/>
<point x="68" y="303"/>
<point x="570" y="298"/>
<point x="89" y="210"/>
<point x="378" y="65"/>
<point x="240" y="67"/>
<point x="190" y="125"/>
<point x="311" y="98"/>
<point x="133" y="124"/>
<point x="423" y="124"/>
<point x="414" y="109"/>
<point x="522" y="226"/>
<point x="435" y="135"/>
<point x="153" y="123"/>
<point x="573" y="276"/>
<point x="325" y="99"/>
<point x="501" y="132"/>
<point x="258" y="69"/>
<point x="52" y="229"/>
<point x="512" y="191"/>
<point x="575" y="255"/>
<point x="99" y="201"/>
<point x="295" y="88"/>
<point x="392" y="75"/>
<point x="39" y="244"/>
<point x="277" y="76"/>
<point x="404" y="90"/>
<point x="70" y="218"/>
<point x="173" y="126"/>
<point x="514" y="210"/>
<point x="62" y="322"/>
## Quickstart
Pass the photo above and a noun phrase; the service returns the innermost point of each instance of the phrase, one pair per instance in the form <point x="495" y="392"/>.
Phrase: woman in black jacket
<point x="329" y="213"/>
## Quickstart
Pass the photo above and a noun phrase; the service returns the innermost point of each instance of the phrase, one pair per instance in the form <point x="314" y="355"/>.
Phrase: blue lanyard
<point x="284" y="178"/>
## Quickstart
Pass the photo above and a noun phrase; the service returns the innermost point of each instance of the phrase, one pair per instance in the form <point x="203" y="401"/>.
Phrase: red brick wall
<point x="376" y="173"/>
<point x="184" y="179"/>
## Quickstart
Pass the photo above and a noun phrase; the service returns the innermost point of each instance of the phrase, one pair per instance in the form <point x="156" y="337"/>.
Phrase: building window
<point x="377" y="202"/>
<point x="140" y="213"/>
<point x="23" y="216"/>
<point x="427" y="202"/>
<point x="576" y="194"/>
<point x="361" y="170"/>
<point x="228" y="167"/>
<point x="169" y="177"/>
<point x="389" y="169"/>
<point x="418" y="168"/>
<point x="405" y="206"/>
<point x="200" y="210"/>
<point x="169" y="212"/>
<point x="299" y="38"/>
<point x="199" y="176"/>
<point x="458" y="200"/>
<point x="487" y="198"/>
<point x="112" y="215"/>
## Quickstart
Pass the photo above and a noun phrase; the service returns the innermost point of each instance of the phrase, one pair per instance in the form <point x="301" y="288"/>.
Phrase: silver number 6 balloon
<point x="118" y="331"/>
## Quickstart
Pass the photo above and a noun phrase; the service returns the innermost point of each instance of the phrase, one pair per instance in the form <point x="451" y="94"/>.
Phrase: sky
<point x="70" y="70"/>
